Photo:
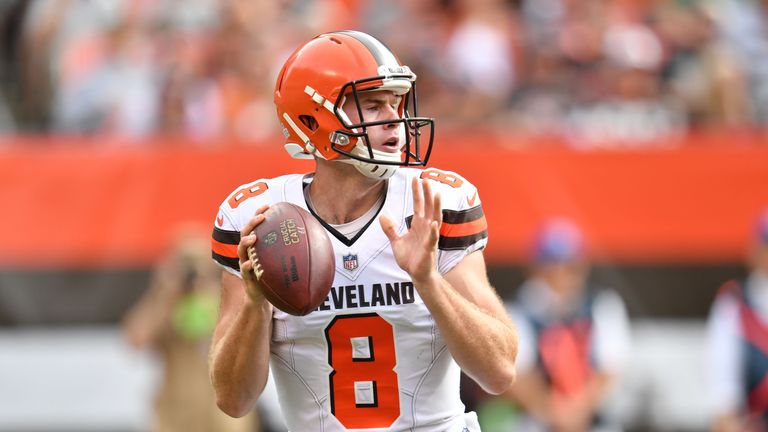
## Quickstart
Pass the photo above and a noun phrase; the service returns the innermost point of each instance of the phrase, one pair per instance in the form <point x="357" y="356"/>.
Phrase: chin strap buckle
<point x="339" y="138"/>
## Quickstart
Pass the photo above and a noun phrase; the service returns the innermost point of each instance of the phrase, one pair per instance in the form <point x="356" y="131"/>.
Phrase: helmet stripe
<point x="380" y="52"/>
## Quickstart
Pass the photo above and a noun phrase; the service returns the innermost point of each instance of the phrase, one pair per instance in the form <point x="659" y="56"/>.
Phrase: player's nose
<point x="390" y="113"/>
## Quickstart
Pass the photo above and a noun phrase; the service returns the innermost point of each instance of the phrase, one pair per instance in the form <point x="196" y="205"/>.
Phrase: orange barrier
<point x="68" y="204"/>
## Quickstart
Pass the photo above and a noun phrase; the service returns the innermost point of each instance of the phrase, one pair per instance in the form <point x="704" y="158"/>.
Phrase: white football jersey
<point x="370" y="357"/>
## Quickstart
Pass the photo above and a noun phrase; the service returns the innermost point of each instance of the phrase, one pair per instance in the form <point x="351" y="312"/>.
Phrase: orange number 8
<point x="443" y="177"/>
<point x="363" y="383"/>
<point x="247" y="192"/>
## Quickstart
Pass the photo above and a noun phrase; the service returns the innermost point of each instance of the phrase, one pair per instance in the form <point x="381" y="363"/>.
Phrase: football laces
<point x="257" y="269"/>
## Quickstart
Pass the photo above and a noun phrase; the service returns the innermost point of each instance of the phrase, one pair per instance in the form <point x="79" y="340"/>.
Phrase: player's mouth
<point x="392" y="145"/>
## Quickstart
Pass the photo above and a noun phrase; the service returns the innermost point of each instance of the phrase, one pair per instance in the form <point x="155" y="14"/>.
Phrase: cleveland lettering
<point x="379" y="294"/>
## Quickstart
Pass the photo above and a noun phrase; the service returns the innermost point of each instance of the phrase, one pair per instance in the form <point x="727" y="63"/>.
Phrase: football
<point x="292" y="259"/>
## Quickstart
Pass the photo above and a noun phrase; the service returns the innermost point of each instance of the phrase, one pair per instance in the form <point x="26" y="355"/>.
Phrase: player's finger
<point x="388" y="227"/>
<point x="251" y="225"/>
<point x="418" y="200"/>
<point x="262" y="209"/>
<point x="428" y="198"/>
<point x="437" y="210"/>
<point x="246" y="268"/>
<point x="242" y="248"/>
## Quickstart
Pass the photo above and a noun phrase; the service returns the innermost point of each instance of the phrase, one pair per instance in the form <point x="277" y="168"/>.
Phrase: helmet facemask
<point x="416" y="133"/>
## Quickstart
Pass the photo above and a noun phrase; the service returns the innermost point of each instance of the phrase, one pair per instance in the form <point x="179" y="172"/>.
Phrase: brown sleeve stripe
<point x="227" y="237"/>
<point x="232" y="263"/>
<point x="457" y="217"/>
<point x="461" y="216"/>
<point x="460" y="243"/>
<point x="463" y="229"/>
<point x="224" y="248"/>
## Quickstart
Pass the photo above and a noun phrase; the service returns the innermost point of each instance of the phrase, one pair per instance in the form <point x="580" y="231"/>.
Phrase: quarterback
<point x="410" y="305"/>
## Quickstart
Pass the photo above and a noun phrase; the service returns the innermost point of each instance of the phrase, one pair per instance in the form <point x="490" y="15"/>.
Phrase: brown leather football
<point x="293" y="259"/>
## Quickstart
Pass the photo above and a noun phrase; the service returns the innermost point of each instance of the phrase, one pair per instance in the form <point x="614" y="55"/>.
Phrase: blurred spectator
<point x="117" y="93"/>
<point x="62" y="41"/>
<point x="176" y="317"/>
<point x="574" y="338"/>
<point x="539" y="106"/>
<point x="633" y="109"/>
<point x="738" y="344"/>
<point x="698" y="70"/>
<point x="599" y="73"/>
<point x="429" y="24"/>
<point x="220" y="79"/>
<point x="479" y="60"/>
<point x="7" y="120"/>
<point x="743" y="26"/>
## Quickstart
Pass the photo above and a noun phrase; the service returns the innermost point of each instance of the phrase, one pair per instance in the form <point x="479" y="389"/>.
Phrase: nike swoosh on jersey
<point x="471" y="200"/>
<point x="220" y="220"/>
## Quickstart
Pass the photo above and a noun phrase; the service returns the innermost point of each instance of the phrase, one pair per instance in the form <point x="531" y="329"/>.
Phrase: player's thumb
<point x="388" y="227"/>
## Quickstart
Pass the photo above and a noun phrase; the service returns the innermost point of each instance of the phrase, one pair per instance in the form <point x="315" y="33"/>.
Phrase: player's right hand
<point x="248" y="239"/>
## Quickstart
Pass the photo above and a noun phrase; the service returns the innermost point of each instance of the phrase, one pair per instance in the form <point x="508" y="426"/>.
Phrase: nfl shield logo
<point x="350" y="262"/>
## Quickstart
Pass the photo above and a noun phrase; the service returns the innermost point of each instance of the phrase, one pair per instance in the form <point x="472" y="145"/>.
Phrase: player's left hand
<point x="416" y="251"/>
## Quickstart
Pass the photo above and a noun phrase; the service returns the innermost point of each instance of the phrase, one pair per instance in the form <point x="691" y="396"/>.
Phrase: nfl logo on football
<point x="350" y="262"/>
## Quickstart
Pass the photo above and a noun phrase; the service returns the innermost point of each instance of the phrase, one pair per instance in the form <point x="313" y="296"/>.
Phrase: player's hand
<point x="416" y="251"/>
<point x="248" y="239"/>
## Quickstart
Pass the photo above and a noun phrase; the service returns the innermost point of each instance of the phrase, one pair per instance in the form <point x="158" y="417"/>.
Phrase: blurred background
<point x="125" y="123"/>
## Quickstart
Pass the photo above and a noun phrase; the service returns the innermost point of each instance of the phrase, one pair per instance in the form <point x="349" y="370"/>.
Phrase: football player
<point x="410" y="305"/>
<point x="737" y="332"/>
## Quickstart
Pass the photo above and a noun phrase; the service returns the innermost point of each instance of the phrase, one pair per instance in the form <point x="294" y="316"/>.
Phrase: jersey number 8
<point x="363" y="383"/>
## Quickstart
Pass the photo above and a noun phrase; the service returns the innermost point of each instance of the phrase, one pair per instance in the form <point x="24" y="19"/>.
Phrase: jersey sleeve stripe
<point x="462" y="216"/>
<point x="226" y="237"/>
<point x="233" y="263"/>
<point x="223" y="249"/>
<point x="457" y="217"/>
<point x="463" y="229"/>
<point x="460" y="243"/>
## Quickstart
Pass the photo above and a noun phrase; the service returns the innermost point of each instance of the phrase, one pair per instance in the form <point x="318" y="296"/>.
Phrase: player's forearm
<point x="484" y="346"/>
<point x="240" y="359"/>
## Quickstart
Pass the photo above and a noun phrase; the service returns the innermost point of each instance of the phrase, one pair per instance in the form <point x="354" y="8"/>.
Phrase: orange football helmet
<point x="318" y="78"/>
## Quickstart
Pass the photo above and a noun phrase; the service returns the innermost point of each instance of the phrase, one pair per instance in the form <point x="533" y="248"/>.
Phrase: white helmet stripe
<point x="296" y="128"/>
<point x="380" y="52"/>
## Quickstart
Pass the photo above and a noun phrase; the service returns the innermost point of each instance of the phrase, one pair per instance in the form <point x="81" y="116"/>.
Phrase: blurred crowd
<point x="594" y="72"/>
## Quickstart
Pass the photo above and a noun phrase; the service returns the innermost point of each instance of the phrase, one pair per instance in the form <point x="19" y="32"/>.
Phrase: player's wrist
<point x="427" y="279"/>
<point x="256" y="299"/>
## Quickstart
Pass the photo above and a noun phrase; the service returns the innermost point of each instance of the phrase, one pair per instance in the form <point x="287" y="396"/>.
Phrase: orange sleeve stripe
<point x="464" y="229"/>
<point x="223" y="249"/>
